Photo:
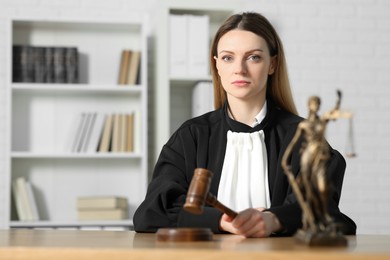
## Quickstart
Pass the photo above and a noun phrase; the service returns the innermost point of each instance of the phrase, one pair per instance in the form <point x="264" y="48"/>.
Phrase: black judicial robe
<point x="201" y="142"/>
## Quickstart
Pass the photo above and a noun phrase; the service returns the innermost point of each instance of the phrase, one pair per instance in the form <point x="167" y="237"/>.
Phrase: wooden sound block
<point x="184" y="234"/>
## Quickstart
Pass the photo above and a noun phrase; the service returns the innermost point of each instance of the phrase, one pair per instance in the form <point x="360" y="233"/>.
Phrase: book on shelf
<point x="49" y="65"/>
<point x="98" y="132"/>
<point x="39" y="64"/>
<point x="202" y="98"/>
<point x="105" y="142"/>
<point x="14" y="210"/>
<point x="59" y="65"/>
<point x="134" y="68"/>
<point x="20" y="202"/>
<point x="24" y="198"/>
<point x="129" y="67"/>
<point x="130" y="132"/>
<point x="90" y="131"/>
<point x="32" y="201"/>
<point x="116" y="133"/>
<point x="137" y="126"/>
<point x="102" y="214"/>
<point x="101" y="202"/>
<point x="22" y="63"/>
<point x="45" y="64"/>
<point x="188" y="53"/>
<point x="91" y="117"/>
<point x="102" y="208"/>
<point x="82" y="129"/>
<point x="122" y="132"/>
<point x="124" y="66"/>
<point x="75" y="133"/>
<point x="71" y="65"/>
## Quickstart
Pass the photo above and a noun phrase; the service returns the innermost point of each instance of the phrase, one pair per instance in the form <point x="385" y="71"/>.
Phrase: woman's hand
<point x="251" y="223"/>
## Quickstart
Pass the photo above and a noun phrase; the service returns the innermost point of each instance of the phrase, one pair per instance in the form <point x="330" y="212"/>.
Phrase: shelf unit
<point x="42" y="117"/>
<point x="173" y="95"/>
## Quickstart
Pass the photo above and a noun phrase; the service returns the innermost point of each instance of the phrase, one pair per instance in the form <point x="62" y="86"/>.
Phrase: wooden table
<point x="77" y="244"/>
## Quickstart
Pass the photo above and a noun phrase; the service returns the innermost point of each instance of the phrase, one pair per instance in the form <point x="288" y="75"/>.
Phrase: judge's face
<point x="243" y="64"/>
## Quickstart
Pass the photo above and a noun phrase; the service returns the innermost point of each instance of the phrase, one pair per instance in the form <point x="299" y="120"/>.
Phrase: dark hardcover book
<point x="49" y="65"/>
<point x="39" y="64"/>
<point x="59" y="65"/>
<point x="23" y="63"/>
<point x="16" y="63"/>
<point x="45" y="64"/>
<point x="71" y="65"/>
<point x="28" y="64"/>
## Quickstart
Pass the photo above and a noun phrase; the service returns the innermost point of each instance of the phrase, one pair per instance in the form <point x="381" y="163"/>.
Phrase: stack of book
<point x="45" y="64"/>
<point x="129" y="70"/>
<point x="102" y="208"/>
<point x="97" y="132"/>
<point x="24" y="200"/>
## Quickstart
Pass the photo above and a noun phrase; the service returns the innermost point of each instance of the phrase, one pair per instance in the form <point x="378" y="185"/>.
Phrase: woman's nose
<point x="240" y="67"/>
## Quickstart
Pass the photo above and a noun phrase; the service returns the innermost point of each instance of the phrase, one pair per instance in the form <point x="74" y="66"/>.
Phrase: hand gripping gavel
<point x="198" y="194"/>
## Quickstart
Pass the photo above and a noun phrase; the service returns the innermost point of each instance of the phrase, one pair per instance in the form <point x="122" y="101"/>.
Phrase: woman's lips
<point x="240" y="83"/>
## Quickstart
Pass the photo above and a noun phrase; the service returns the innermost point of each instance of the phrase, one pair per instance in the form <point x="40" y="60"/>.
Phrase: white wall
<point x="329" y="44"/>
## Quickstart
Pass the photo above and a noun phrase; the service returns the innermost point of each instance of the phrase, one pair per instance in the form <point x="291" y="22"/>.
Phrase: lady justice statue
<point x="311" y="186"/>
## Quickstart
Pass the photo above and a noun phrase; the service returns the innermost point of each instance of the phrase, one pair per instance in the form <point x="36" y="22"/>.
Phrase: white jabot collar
<point x="244" y="177"/>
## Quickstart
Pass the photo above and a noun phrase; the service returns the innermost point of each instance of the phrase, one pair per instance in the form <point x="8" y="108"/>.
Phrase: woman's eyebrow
<point x="260" y="50"/>
<point x="223" y="51"/>
<point x="250" y="51"/>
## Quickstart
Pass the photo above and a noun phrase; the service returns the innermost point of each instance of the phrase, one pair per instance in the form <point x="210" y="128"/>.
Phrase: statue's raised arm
<point x="336" y="113"/>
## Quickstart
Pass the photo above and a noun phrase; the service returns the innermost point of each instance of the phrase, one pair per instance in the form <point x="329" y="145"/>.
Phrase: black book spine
<point x="23" y="67"/>
<point x="28" y="71"/>
<point x="59" y="65"/>
<point x="71" y="65"/>
<point x="39" y="64"/>
<point x="16" y="63"/>
<point x="49" y="65"/>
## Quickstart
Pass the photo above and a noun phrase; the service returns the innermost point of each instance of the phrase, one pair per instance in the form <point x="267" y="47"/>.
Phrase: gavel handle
<point x="212" y="200"/>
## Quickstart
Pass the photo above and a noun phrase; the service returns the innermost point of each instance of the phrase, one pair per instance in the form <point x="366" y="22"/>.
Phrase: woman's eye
<point x="254" y="58"/>
<point x="227" y="58"/>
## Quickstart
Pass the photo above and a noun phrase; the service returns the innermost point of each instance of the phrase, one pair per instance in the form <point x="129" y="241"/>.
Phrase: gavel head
<point x="198" y="191"/>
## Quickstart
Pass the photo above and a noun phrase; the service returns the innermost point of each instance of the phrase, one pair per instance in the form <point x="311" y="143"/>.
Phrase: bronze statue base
<point x="184" y="234"/>
<point x="320" y="239"/>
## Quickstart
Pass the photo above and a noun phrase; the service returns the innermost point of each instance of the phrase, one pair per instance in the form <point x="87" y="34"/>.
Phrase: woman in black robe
<point x="252" y="99"/>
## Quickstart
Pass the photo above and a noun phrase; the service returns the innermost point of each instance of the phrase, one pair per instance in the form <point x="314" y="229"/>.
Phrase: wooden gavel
<point x="198" y="194"/>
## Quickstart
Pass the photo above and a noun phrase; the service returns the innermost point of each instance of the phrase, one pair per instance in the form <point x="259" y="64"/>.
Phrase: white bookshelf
<point x="42" y="117"/>
<point x="173" y="94"/>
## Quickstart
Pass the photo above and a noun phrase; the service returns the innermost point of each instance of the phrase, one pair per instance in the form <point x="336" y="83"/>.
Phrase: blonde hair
<point x="278" y="85"/>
